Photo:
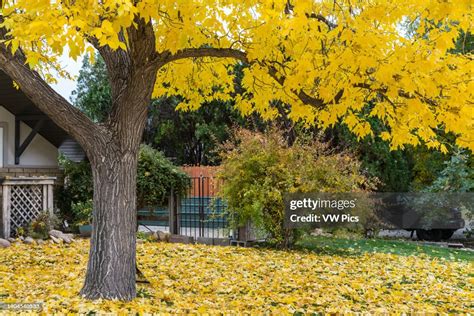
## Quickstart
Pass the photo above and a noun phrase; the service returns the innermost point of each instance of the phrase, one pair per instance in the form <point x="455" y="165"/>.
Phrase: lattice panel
<point x="26" y="203"/>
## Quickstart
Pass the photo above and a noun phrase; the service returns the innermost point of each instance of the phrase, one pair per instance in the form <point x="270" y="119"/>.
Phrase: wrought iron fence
<point x="201" y="213"/>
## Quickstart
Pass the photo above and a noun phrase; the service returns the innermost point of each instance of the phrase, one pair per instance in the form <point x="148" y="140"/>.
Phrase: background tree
<point x="323" y="58"/>
<point x="456" y="176"/>
<point x="92" y="94"/>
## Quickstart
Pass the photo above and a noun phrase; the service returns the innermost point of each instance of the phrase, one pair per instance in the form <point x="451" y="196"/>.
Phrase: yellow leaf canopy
<point x="326" y="59"/>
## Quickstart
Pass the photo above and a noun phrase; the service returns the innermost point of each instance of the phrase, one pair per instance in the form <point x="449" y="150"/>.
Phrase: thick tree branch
<point x="403" y="94"/>
<point x="65" y="115"/>
<point x="167" y="57"/>
<point x="323" y="19"/>
<point x="273" y="72"/>
<point x="303" y="96"/>
<point x="132" y="74"/>
<point x="117" y="62"/>
<point x="289" y="7"/>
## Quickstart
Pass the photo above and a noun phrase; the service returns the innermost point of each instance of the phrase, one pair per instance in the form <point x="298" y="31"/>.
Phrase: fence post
<point x="6" y="212"/>
<point x="177" y="211"/>
<point x="50" y="201"/>
<point x="173" y="213"/>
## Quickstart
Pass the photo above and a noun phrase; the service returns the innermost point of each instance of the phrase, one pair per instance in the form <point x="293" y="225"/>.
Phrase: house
<point x="29" y="147"/>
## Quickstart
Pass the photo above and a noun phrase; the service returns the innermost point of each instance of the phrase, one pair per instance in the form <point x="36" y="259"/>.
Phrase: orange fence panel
<point x="213" y="184"/>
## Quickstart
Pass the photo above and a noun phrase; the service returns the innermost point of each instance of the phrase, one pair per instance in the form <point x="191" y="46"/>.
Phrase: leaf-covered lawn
<point x="187" y="278"/>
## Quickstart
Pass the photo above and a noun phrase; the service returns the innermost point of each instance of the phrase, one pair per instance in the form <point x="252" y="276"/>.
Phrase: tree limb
<point x="167" y="57"/>
<point x="131" y="75"/>
<point x="323" y="19"/>
<point x="289" y="7"/>
<point x="65" y="115"/>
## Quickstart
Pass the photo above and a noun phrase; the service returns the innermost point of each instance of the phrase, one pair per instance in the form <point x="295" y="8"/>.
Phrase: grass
<point x="356" y="246"/>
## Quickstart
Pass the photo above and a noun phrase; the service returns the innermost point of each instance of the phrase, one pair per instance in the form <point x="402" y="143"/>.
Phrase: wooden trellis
<point x="24" y="198"/>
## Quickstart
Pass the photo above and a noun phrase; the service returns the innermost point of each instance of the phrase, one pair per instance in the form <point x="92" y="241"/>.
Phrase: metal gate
<point x="201" y="213"/>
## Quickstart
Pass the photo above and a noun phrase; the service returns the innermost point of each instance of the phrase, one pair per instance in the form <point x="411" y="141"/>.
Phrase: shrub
<point x="83" y="212"/>
<point x="458" y="177"/>
<point x="258" y="169"/>
<point x="156" y="177"/>
<point x="78" y="187"/>
<point x="40" y="227"/>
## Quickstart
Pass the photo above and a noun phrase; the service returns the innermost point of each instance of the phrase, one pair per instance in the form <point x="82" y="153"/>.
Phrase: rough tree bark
<point x="112" y="147"/>
<point x="112" y="264"/>
<point x="111" y="267"/>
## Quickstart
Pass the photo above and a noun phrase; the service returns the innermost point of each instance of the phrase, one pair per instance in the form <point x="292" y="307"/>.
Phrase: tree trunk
<point x="112" y="147"/>
<point x="111" y="267"/>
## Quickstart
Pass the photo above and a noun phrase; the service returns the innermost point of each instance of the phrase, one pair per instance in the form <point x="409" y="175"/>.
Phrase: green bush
<point x="457" y="175"/>
<point x="83" y="212"/>
<point x="156" y="177"/>
<point x="258" y="169"/>
<point x="40" y="227"/>
<point x="78" y="187"/>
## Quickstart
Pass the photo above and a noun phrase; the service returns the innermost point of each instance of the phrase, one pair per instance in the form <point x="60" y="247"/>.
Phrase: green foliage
<point x="190" y="137"/>
<point x="142" y="235"/>
<point x="83" y="212"/>
<point x="155" y="178"/>
<point x="258" y="169"/>
<point x="39" y="228"/>
<point x="427" y="164"/>
<point x="393" y="168"/>
<point x="21" y="231"/>
<point x="78" y="188"/>
<point x="193" y="137"/>
<point x="464" y="43"/>
<point x="93" y="93"/>
<point x="457" y="175"/>
<point x="412" y="169"/>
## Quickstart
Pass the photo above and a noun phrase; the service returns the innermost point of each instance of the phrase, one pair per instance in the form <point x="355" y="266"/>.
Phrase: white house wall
<point x="40" y="152"/>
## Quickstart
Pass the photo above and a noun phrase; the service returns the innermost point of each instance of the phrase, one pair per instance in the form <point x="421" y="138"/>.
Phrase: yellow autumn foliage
<point x="205" y="279"/>
<point x="324" y="58"/>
